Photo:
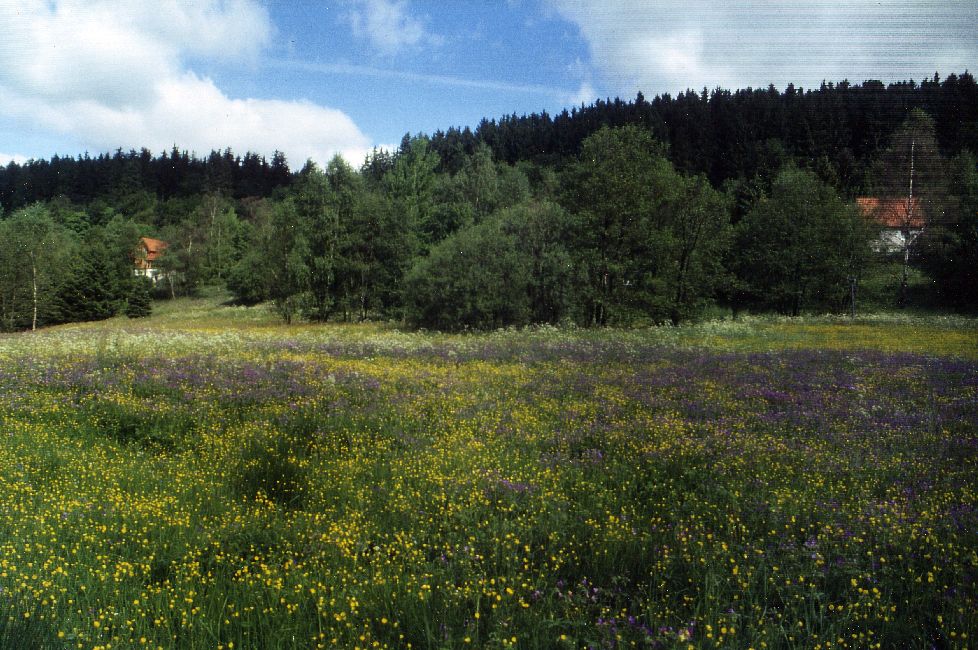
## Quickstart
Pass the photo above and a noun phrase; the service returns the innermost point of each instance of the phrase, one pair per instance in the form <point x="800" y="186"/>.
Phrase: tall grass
<point x="753" y="483"/>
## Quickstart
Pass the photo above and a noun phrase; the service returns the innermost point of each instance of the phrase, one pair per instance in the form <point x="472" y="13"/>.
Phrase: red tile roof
<point x="148" y="251"/>
<point x="891" y="213"/>
<point x="153" y="247"/>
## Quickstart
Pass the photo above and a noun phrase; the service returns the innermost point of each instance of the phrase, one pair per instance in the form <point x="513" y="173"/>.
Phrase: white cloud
<point x="119" y="74"/>
<point x="388" y="25"/>
<point x="671" y="45"/>
<point x="201" y="114"/>
<point x="6" y="158"/>
<point x="656" y="47"/>
<point x="584" y="95"/>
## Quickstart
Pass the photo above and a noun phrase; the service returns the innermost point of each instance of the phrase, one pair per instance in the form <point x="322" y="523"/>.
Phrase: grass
<point x="209" y="478"/>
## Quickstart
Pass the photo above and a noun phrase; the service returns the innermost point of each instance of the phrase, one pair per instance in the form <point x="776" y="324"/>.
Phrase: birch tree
<point x="32" y="250"/>
<point x="913" y="171"/>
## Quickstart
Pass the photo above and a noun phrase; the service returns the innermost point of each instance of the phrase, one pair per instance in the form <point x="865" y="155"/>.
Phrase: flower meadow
<point x="780" y="485"/>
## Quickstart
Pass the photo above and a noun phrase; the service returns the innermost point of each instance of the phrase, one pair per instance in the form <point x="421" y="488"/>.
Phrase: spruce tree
<point x="140" y="303"/>
<point x="88" y="289"/>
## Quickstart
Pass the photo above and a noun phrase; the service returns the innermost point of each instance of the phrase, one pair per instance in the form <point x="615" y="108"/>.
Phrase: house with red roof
<point x="146" y="258"/>
<point x="900" y="221"/>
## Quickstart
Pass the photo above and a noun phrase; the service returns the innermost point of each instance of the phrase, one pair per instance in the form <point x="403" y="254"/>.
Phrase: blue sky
<point x="317" y="78"/>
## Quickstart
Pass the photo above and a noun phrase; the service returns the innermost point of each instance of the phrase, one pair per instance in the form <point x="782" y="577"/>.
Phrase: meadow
<point x="209" y="478"/>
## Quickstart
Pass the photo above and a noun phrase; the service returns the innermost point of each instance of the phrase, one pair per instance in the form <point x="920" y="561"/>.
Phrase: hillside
<point x="619" y="213"/>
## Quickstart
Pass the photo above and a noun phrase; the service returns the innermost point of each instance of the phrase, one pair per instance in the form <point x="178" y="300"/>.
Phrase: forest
<point x="620" y="213"/>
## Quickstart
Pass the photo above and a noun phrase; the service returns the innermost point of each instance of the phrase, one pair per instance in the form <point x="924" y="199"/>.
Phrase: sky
<point x="315" y="78"/>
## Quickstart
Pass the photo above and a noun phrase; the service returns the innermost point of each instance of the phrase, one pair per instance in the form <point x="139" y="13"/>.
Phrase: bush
<point x="248" y="279"/>
<point x="509" y="270"/>
<point x="474" y="279"/>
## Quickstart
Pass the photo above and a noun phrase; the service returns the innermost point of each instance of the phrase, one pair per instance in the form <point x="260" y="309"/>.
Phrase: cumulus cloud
<point x="671" y="45"/>
<point x="119" y="74"/>
<point x="388" y="25"/>
<point x="6" y="158"/>
<point x="201" y="114"/>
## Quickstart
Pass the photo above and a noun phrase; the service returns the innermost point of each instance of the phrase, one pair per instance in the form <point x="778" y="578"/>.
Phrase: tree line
<point x="136" y="182"/>
<point x="459" y="231"/>
<point x="732" y="137"/>
<point x="837" y="129"/>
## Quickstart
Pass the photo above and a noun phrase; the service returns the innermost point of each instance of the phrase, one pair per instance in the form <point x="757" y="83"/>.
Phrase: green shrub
<point x="508" y="270"/>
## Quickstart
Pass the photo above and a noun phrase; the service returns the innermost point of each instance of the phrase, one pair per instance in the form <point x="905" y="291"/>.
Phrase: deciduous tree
<point x="799" y="246"/>
<point x="913" y="171"/>
<point x="33" y="251"/>
<point x="611" y="191"/>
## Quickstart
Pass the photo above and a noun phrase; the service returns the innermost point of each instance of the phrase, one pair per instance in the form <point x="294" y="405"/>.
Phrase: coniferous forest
<point x="618" y="213"/>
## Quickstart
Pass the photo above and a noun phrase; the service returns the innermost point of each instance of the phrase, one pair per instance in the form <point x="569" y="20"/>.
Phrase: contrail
<point x="443" y="80"/>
